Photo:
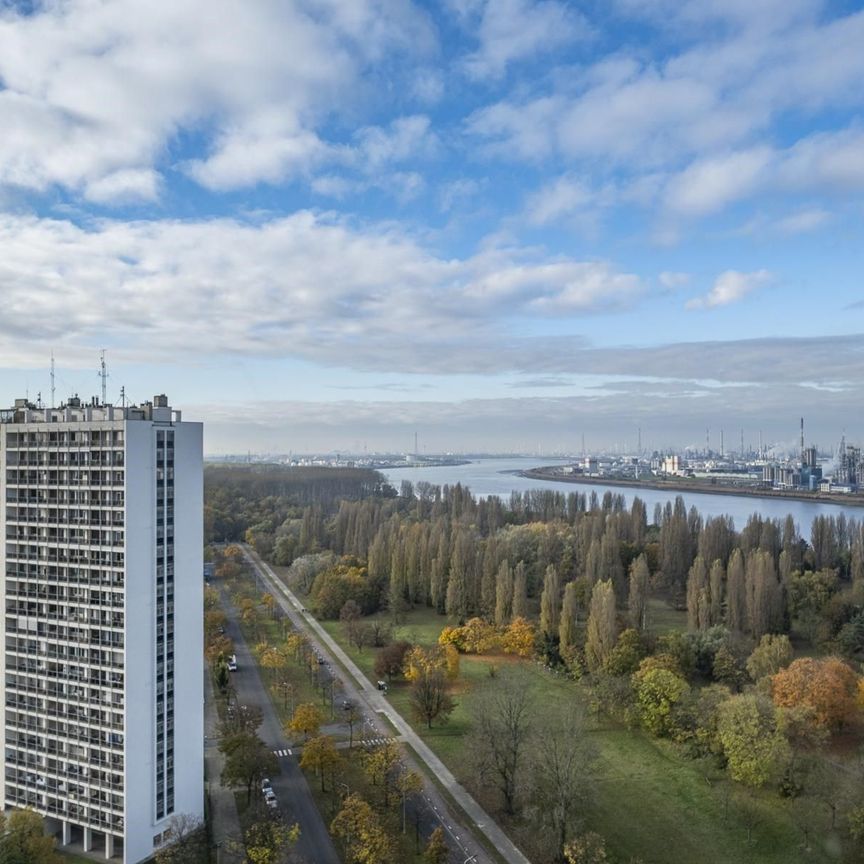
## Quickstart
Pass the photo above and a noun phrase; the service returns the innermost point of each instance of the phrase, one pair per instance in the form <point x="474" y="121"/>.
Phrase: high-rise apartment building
<point x="102" y="717"/>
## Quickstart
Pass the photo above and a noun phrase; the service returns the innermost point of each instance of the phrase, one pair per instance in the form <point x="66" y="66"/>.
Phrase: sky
<point x="501" y="224"/>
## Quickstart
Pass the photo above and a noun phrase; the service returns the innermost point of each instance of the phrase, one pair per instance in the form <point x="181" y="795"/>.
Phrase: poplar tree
<point x="697" y="588"/>
<point x="637" y="603"/>
<point x="716" y="579"/>
<point x="736" y="594"/>
<point x="520" y="591"/>
<point x="503" y="594"/>
<point x="550" y="602"/>
<point x="569" y="617"/>
<point x="602" y="630"/>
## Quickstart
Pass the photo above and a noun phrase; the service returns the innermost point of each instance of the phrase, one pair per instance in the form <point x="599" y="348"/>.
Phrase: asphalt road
<point x="464" y="845"/>
<point x="292" y="791"/>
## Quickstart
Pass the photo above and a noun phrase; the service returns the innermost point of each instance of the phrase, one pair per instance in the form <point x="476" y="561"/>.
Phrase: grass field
<point x="645" y="799"/>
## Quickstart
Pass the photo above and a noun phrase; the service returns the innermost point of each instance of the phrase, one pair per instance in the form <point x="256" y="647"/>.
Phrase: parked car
<point x="266" y="785"/>
<point x="271" y="802"/>
<point x="232" y="663"/>
<point x="382" y="685"/>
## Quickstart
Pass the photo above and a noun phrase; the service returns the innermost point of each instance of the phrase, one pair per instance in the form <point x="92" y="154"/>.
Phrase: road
<point x="314" y="845"/>
<point x="378" y="704"/>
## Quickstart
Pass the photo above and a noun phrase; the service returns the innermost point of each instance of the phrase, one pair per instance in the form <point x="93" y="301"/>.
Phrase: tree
<point x="267" y="840"/>
<point x="503" y="594"/>
<point x="626" y="655"/>
<point x="561" y="760"/>
<point x="429" y="698"/>
<point x="247" y="761"/>
<point x="772" y="654"/>
<point x="602" y="629"/>
<point x="408" y="783"/>
<point x="569" y="618"/>
<point x="658" y="691"/>
<point x="378" y="763"/>
<point x="321" y="756"/>
<point x="550" y="603"/>
<point x="637" y="603"/>
<point x="306" y="721"/>
<point x="588" y="848"/>
<point x="697" y="596"/>
<point x="436" y="851"/>
<point x="352" y="715"/>
<point x="185" y="839"/>
<point x="519" y="638"/>
<point x="828" y="686"/>
<point x="756" y="750"/>
<point x="364" y="838"/>
<point x="736" y="594"/>
<point x="25" y="841"/>
<point x="501" y="729"/>
<point x="391" y="658"/>
<point x="520" y="591"/>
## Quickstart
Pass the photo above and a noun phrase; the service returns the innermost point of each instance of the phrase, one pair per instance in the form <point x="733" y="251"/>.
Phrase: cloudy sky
<point x="325" y="224"/>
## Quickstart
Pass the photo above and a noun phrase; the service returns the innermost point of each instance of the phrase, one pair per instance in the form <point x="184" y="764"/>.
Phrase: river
<point x="495" y="476"/>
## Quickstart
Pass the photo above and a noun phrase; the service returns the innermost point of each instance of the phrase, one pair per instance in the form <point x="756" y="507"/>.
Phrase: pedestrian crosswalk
<point x="376" y="742"/>
<point x="284" y="752"/>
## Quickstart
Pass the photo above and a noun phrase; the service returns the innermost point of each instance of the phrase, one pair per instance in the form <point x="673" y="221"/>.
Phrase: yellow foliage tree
<point x="451" y="658"/>
<point x="306" y="721"/>
<point x="419" y="661"/>
<point x="321" y="756"/>
<point x="519" y="638"/>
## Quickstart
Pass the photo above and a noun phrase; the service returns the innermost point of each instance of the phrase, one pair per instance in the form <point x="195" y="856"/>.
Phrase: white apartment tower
<point x="102" y="716"/>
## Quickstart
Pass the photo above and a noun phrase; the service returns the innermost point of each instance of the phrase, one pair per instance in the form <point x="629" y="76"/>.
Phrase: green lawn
<point x="646" y="799"/>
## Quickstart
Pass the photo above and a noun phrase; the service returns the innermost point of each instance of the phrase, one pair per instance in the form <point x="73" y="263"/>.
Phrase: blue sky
<point x="503" y="223"/>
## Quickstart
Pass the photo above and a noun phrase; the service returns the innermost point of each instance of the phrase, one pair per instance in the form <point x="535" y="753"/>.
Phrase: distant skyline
<point x="499" y="223"/>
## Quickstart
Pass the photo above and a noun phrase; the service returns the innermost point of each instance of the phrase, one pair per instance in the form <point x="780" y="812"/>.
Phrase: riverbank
<point x="684" y="485"/>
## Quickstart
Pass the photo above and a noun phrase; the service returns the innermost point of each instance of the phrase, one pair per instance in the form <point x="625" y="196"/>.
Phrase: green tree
<point x="569" y="618"/>
<point x="520" y="591"/>
<point x="503" y="594"/>
<point x="25" y="842"/>
<point x="658" y="691"/>
<point x="773" y="653"/>
<point x="247" y="761"/>
<point x="736" y="594"/>
<point x="755" y="748"/>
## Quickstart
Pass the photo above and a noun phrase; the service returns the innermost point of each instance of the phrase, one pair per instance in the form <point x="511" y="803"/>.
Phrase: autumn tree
<point x="437" y="851"/>
<point x="408" y="783"/>
<point x="378" y="764"/>
<point x="502" y="725"/>
<point x="321" y="756"/>
<point x="363" y="837"/>
<point x="697" y="596"/>
<point x="589" y="848"/>
<point x="520" y="591"/>
<point x="602" y="628"/>
<point x="828" y="686"/>
<point x="306" y="721"/>
<point x="519" y="638"/>
<point x="267" y="840"/>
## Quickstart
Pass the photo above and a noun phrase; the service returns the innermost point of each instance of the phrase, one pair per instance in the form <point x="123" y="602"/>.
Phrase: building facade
<point x="101" y="510"/>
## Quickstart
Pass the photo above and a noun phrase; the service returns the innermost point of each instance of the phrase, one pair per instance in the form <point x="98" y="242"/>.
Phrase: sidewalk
<point x="224" y="820"/>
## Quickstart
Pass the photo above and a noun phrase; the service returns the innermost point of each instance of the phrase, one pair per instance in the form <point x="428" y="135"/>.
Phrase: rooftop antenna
<point x="103" y="374"/>
<point x="122" y="397"/>
<point x="52" y="379"/>
<point x="802" y="439"/>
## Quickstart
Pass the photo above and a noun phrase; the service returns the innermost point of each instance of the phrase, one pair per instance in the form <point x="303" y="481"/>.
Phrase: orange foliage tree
<point x="828" y="686"/>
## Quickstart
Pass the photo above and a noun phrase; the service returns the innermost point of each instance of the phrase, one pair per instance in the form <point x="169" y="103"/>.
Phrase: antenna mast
<point x="52" y="379"/>
<point x="103" y="374"/>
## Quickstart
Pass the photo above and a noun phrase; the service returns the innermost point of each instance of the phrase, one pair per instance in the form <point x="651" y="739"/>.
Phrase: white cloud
<point x="514" y="30"/>
<point x="673" y="281"/>
<point x="730" y="287"/>
<point x="561" y="198"/>
<point x="306" y="286"/>
<point x="803" y="221"/>
<point x="97" y="92"/>
<point x="404" y="138"/>
<point x="710" y="184"/>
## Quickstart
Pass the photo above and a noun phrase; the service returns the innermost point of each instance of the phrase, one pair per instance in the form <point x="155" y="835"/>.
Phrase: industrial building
<point x="101" y="509"/>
